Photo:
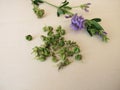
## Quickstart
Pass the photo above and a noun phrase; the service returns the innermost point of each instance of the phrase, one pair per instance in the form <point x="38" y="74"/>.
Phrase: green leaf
<point x="40" y="1"/>
<point x="103" y="36"/>
<point x="64" y="4"/>
<point x="60" y="12"/>
<point x="89" y="32"/>
<point x="97" y="25"/>
<point x="96" y="19"/>
<point x="87" y="23"/>
<point x="36" y="2"/>
<point x="93" y="24"/>
<point x="92" y="31"/>
<point x="67" y="7"/>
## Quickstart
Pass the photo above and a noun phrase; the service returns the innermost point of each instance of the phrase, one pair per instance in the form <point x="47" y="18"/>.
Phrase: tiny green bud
<point x="39" y="12"/>
<point x="29" y="37"/>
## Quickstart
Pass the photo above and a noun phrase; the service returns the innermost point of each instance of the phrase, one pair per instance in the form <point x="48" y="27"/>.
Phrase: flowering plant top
<point x="92" y="26"/>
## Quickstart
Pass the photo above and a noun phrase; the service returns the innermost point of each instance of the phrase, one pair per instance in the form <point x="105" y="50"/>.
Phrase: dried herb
<point x="29" y="37"/>
<point x="57" y="47"/>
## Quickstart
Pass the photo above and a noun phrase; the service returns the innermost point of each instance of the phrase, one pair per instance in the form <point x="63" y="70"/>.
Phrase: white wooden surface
<point x="100" y="69"/>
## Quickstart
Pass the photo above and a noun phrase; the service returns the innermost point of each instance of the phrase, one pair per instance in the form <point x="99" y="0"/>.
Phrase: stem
<point x="76" y="7"/>
<point x="50" y="4"/>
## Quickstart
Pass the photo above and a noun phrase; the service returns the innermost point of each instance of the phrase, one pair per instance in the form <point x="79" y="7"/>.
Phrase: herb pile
<point x="57" y="47"/>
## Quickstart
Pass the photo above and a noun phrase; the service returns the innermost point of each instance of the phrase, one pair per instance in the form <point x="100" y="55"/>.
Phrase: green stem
<point x="50" y="4"/>
<point x="76" y="7"/>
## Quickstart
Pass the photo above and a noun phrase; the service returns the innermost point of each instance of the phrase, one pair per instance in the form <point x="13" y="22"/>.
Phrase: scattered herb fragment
<point x="39" y="12"/>
<point x="29" y="37"/>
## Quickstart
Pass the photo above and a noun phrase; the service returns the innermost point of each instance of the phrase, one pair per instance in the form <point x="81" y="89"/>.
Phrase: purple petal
<point x="86" y="10"/>
<point x="77" y="22"/>
<point x="69" y="16"/>
<point x="74" y="27"/>
<point x="88" y="3"/>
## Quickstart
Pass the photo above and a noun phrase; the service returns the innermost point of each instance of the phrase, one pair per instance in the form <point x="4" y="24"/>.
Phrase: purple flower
<point x="77" y="22"/>
<point x="85" y="6"/>
<point x="68" y="16"/>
